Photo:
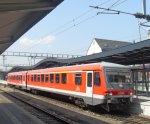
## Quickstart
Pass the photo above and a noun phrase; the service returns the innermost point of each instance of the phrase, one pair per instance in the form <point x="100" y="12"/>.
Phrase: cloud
<point x="29" y="42"/>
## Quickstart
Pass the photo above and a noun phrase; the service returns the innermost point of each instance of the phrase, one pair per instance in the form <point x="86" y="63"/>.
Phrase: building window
<point x="51" y="78"/>
<point x="78" y="78"/>
<point x="42" y="77"/>
<point x="46" y="78"/>
<point x="97" y="80"/>
<point x="57" y="78"/>
<point x="64" y="78"/>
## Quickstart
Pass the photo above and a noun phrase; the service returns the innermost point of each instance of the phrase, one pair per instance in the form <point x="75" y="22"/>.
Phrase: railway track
<point x="112" y="118"/>
<point x="40" y="112"/>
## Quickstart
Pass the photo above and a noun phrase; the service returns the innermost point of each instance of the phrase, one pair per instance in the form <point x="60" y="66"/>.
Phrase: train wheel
<point x="80" y="102"/>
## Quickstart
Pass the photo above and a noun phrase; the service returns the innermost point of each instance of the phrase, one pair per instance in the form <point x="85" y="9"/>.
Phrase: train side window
<point x="51" y="78"/>
<point x="28" y="77"/>
<point x="57" y="78"/>
<point x="78" y="78"/>
<point x="35" y="78"/>
<point x="97" y="80"/>
<point x="42" y="77"/>
<point x="31" y="78"/>
<point x="46" y="78"/>
<point x="21" y="77"/>
<point x="18" y="77"/>
<point x="39" y="78"/>
<point x="64" y="78"/>
<point x="89" y="80"/>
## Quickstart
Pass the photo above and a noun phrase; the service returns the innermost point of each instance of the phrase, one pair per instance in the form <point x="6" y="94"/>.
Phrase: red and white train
<point x="93" y="84"/>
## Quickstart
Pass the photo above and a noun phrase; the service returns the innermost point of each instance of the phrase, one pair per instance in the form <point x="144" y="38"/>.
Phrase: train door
<point x="89" y="86"/>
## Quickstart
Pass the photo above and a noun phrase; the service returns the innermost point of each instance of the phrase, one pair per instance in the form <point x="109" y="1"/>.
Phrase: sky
<point x="72" y="25"/>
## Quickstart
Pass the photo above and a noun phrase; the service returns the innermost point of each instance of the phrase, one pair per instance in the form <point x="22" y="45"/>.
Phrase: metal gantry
<point x="39" y="55"/>
<point x="33" y="56"/>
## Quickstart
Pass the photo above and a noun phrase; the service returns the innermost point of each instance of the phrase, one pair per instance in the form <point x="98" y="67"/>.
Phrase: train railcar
<point x="17" y="79"/>
<point x="93" y="84"/>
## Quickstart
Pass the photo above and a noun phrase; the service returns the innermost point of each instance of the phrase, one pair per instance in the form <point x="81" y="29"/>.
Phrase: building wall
<point x="94" y="48"/>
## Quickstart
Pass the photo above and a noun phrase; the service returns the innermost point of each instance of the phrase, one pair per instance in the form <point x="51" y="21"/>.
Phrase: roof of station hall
<point x="136" y="53"/>
<point x="18" y="16"/>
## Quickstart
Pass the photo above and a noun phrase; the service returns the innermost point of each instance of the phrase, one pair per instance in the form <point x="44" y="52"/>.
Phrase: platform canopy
<point x="18" y="16"/>
<point x="137" y="53"/>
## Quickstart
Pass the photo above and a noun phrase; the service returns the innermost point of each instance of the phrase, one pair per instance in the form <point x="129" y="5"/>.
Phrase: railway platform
<point x="10" y="113"/>
<point x="140" y="106"/>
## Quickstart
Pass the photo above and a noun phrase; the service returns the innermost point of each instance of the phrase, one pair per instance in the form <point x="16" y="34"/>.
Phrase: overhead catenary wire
<point x="136" y="15"/>
<point x="74" y="23"/>
<point x="86" y="19"/>
<point x="76" y="18"/>
<point x="57" y="30"/>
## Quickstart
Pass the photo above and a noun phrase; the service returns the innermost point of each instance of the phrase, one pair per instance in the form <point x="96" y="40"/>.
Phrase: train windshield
<point x="118" y="76"/>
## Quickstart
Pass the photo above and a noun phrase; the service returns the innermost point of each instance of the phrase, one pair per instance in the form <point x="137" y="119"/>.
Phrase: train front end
<point x="120" y="90"/>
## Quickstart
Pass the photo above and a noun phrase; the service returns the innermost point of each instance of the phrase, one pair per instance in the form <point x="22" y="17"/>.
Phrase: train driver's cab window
<point x="78" y="78"/>
<point x="57" y="78"/>
<point x="97" y="80"/>
<point x="64" y="78"/>
<point x="51" y="78"/>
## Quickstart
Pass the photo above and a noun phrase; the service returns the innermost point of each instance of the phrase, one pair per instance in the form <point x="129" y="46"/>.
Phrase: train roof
<point x="90" y="66"/>
<point x="18" y="73"/>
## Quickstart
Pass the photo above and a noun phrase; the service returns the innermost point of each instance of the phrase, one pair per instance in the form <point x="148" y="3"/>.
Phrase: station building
<point x="102" y="45"/>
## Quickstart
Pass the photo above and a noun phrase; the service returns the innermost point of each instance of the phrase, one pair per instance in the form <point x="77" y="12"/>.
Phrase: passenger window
<point x="46" y="78"/>
<point x="31" y="78"/>
<point x="42" y="77"/>
<point x="57" y="78"/>
<point x="34" y="78"/>
<point x="89" y="79"/>
<point x="28" y="77"/>
<point x="78" y="78"/>
<point x="97" y="80"/>
<point x="21" y="77"/>
<point x="64" y="78"/>
<point x="39" y="80"/>
<point x="51" y="78"/>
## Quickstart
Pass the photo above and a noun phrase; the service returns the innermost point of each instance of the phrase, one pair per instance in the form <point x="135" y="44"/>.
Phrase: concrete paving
<point x="140" y="106"/>
<point x="10" y="113"/>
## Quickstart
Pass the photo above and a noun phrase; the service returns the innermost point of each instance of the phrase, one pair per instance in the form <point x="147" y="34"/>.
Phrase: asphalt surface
<point x="10" y="113"/>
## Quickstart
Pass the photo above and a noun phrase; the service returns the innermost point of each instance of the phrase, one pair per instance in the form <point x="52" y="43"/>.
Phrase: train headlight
<point x="110" y="94"/>
<point x="131" y="94"/>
